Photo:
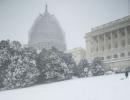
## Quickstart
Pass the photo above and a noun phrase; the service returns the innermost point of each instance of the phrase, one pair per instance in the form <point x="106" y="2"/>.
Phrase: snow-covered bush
<point x="83" y="68"/>
<point x="97" y="67"/>
<point x="4" y="59"/>
<point x="68" y="59"/>
<point x="51" y="66"/>
<point x="21" y="72"/>
<point x="17" y="66"/>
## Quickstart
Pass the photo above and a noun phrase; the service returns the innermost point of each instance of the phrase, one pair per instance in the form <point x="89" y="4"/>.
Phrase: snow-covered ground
<point x="111" y="87"/>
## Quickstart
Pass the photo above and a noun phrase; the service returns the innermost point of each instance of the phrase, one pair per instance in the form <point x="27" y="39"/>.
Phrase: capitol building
<point x="46" y="32"/>
<point x="110" y="42"/>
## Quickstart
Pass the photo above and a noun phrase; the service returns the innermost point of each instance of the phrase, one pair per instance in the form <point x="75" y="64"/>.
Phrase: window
<point x="115" y="45"/>
<point x="122" y="54"/>
<point x="102" y="58"/>
<point x="115" y="56"/>
<point x="109" y="37"/>
<point x="128" y="53"/>
<point x="97" y="49"/>
<point x="102" y="48"/>
<point x="122" y="32"/>
<point x="129" y="41"/>
<point x="128" y="29"/>
<point x="108" y="57"/>
<point x="114" y="34"/>
<point x="123" y="43"/>
<point x="95" y="38"/>
<point x="109" y="46"/>
<point x="91" y="50"/>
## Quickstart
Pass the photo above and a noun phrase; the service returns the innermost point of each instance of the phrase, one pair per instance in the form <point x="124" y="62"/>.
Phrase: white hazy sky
<point x="76" y="17"/>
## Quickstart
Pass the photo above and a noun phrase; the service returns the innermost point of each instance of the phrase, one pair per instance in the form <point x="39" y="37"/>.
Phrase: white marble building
<point x="78" y="54"/>
<point x="111" y="42"/>
<point x="46" y="32"/>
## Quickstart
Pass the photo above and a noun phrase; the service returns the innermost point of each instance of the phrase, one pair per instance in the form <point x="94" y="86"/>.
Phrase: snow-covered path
<point x="109" y="87"/>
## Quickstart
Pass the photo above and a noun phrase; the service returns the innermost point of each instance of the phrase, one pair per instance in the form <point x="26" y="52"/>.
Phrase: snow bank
<point x="111" y="87"/>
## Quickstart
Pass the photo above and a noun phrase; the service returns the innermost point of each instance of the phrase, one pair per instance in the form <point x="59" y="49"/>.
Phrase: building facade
<point x="111" y="42"/>
<point x="46" y="32"/>
<point x="78" y="54"/>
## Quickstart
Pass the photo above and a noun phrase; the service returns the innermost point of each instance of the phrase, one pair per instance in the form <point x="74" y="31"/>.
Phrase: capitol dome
<point x="46" y="32"/>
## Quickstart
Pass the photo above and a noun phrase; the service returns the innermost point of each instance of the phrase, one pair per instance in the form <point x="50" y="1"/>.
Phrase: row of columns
<point x="108" y="40"/>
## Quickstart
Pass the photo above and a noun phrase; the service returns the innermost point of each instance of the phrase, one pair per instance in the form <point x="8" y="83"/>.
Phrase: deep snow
<point x="110" y="87"/>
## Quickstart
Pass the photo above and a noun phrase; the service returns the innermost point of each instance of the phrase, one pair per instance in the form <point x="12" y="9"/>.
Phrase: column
<point x="98" y="43"/>
<point x="111" y="41"/>
<point x="104" y="42"/>
<point x="118" y="43"/>
<point x="105" y="46"/>
<point x="89" y="45"/>
<point x="126" y="40"/>
<point x="118" y="39"/>
<point x="126" y="37"/>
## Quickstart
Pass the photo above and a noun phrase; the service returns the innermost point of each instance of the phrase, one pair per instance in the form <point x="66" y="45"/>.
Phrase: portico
<point x="110" y="41"/>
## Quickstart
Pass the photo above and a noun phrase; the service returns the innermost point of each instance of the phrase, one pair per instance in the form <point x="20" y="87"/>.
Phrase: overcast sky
<point x="76" y="17"/>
